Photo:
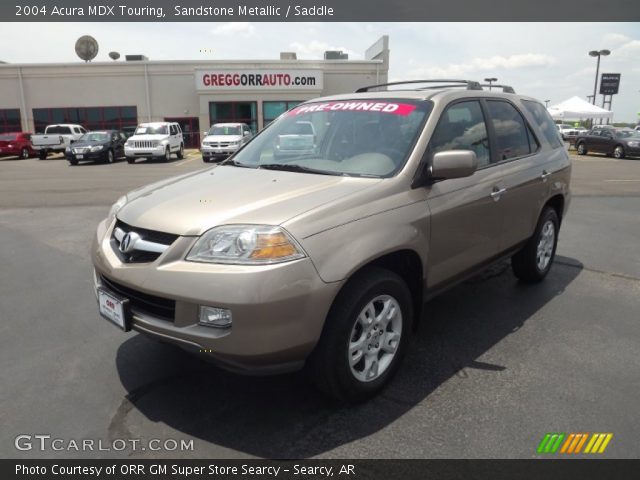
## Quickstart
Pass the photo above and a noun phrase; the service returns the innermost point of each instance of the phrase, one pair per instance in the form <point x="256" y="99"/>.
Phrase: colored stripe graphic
<point x="573" y="443"/>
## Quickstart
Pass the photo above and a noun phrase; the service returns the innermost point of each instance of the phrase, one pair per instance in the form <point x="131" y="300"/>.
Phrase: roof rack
<point x="469" y="84"/>
<point x="505" y="88"/>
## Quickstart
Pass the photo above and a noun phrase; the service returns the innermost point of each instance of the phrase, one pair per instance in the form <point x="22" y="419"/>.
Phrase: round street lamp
<point x="490" y="80"/>
<point x="597" y="53"/>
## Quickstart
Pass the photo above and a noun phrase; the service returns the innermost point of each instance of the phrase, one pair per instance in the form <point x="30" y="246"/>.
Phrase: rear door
<point x="526" y="167"/>
<point x="465" y="212"/>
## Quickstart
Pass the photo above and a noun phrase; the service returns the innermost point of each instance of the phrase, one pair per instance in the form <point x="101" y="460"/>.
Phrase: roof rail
<point x="505" y="88"/>
<point x="469" y="84"/>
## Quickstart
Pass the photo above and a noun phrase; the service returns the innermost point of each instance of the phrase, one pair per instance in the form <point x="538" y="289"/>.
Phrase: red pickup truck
<point x="16" y="144"/>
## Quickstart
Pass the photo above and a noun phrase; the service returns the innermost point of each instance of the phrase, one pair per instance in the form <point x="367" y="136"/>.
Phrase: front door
<point x="466" y="213"/>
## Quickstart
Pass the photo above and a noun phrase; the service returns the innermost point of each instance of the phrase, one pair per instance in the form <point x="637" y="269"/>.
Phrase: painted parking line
<point x="622" y="180"/>
<point x="190" y="158"/>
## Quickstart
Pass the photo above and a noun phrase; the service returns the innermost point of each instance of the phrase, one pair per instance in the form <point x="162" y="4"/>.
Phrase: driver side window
<point x="462" y="127"/>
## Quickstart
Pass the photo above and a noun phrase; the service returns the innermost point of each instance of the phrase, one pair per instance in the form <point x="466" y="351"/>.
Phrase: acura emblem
<point x="128" y="242"/>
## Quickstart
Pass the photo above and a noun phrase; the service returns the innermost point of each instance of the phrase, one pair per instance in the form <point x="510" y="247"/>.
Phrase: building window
<point x="10" y="120"/>
<point x="272" y="110"/>
<point x="234" y="112"/>
<point x="91" y="118"/>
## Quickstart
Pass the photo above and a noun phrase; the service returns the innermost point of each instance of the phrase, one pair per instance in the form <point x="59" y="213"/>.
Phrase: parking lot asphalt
<point x="493" y="367"/>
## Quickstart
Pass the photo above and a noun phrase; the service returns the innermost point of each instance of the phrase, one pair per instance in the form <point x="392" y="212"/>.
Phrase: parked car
<point x="569" y="133"/>
<point x="224" y="139"/>
<point x="610" y="141"/>
<point x="155" y="140"/>
<point x="99" y="146"/>
<point x="56" y="138"/>
<point x="637" y="128"/>
<point x="268" y="264"/>
<point x="16" y="144"/>
<point x="299" y="139"/>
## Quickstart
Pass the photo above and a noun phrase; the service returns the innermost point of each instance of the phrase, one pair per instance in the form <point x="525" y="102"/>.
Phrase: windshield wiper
<point x="294" y="167"/>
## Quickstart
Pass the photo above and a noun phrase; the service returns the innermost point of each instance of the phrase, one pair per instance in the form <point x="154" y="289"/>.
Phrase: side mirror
<point x="246" y="133"/>
<point x="453" y="164"/>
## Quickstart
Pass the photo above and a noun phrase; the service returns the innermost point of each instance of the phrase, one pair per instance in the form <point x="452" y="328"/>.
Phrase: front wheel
<point x="364" y="337"/>
<point x="24" y="153"/>
<point x="42" y="155"/>
<point x="110" y="157"/>
<point x="582" y="149"/>
<point x="533" y="262"/>
<point x="167" y="155"/>
<point x="181" y="152"/>
<point x="618" y="152"/>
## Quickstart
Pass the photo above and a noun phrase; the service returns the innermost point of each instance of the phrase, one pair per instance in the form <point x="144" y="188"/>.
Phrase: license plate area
<point x="114" y="308"/>
<point x="80" y="157"/>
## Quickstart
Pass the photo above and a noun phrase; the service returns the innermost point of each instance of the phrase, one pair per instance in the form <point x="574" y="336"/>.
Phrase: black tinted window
<point x="59" y="130"/>
<point x="512" y="136"/>
<point x="462" y="127"/>
<point x="544" y="122"/>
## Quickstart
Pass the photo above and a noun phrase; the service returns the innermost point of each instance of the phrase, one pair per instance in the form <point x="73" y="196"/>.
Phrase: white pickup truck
<point x="56" y="138"/>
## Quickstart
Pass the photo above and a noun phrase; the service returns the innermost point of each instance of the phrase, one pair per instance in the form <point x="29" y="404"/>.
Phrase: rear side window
<point x="545" y="122"/>
<point x="513" y="137"/>
<point x="59" y="130"/>
<point x="462" y="127"/>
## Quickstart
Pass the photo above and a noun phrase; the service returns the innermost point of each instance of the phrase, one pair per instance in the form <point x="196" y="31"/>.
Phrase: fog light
<point x="215" y="317"/>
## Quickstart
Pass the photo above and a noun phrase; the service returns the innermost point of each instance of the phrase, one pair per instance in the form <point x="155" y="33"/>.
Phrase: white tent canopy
<point x="576" y="108"/>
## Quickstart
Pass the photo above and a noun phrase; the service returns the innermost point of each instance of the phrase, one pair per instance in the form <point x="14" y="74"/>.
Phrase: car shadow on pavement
<point x="286" y="417"/>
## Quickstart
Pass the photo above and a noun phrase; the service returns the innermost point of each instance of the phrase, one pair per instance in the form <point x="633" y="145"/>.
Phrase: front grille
<point x="159" y="307"/>
<point x="144" y="143"/>
<point x="81" y="150"/>
<point x="140" y="256"/>
<point x="218" y="144"/>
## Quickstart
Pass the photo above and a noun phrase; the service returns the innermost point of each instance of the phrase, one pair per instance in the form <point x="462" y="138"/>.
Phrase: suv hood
<point x="222" y="138"/>
<point x="155" y="136"/>
<point x="192" y="204"/>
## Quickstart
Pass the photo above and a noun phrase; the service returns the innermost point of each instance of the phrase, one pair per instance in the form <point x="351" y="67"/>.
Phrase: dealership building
<point x="196" y="94"/>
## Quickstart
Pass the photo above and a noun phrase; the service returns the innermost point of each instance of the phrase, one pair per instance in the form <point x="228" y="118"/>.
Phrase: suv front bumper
<point x="157" y="151"/>
<point x="209" y="152"/>
<point x="278" y="310"/>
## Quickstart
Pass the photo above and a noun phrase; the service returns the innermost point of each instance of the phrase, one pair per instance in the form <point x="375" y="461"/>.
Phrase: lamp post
<point x="597" y="53"/>
<point x="546" y="103"/>
<point x="490" y="80"/>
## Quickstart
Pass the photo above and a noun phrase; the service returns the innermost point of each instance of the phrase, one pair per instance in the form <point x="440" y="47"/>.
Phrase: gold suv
<point x="325" y="257"/>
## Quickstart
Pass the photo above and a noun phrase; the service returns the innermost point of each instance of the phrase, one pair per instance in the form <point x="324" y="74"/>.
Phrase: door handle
<point x="545" y="174"/>
<point x="497" y="193"/>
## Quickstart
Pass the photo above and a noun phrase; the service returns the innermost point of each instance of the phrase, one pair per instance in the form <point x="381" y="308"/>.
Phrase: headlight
<point x="115" y="208"/>
<point x="633" y="144"/>
<point x="97" y="148"/>
<point x="245" y="245"/>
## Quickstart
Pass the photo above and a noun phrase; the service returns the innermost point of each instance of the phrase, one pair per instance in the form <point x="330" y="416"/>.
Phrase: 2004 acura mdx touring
<point x="266" y="263"/>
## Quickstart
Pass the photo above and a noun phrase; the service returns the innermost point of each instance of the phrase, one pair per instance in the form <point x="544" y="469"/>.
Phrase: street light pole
<point x="490" y="80"/>
<point x="546" y="103"/>
<point x="597" y="53"/>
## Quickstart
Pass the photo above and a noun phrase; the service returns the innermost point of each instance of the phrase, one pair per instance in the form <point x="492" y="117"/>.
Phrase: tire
<point x="110" y="156"/>
<point x="533" y="262"/>
<point x="181" y="152"/>
<point x="618" y="152"/>
<point x="331" y="365"/>
<point x="131" y="161"/>
<point x="581" y="148"/>
<point x="205" y="160"/>
<point x="42" y="154"/>
<point x="73" y="162"/>
<point x="167" y="155"/>
<point x="24" y="153"/>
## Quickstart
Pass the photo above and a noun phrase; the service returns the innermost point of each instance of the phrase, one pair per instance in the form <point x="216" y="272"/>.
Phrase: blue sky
<point x="544" y="60"/>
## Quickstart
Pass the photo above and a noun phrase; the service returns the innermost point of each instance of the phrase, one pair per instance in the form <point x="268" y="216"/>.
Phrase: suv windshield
<point x="350" y="137"/>
<point x="151" y="130"/>
<point x="95" y="137"/>
<point x="224" y="130"/>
